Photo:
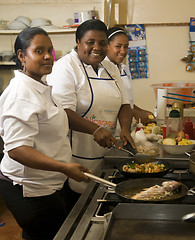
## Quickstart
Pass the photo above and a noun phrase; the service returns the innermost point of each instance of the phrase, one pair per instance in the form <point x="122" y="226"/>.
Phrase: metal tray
<point x="150" y="221"/>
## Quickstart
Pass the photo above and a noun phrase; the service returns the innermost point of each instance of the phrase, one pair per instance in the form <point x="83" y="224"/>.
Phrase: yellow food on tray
<point x="152" y="128"/>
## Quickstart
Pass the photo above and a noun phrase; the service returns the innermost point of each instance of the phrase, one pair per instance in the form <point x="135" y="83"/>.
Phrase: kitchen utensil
<point x="176" y="149"/>
<point x="25" y="20"/>
<point x="139" y="157"/>
<point x="190" y="217"/>
<point x="134" y="186"/>
<point x="180" y="99"/>
<point x="182" y="95"/>
<point x="188" y="58"/>
<point x="144" y="175"/>
<point x="175" y="87"/>
<point x="192" y="163"/>
<point x="16" y="25"/>
<point x="100" y="180"/>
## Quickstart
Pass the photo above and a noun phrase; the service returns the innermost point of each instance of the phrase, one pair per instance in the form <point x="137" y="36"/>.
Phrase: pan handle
<point x="190" y="217"/>
<point x="100" y="180"/>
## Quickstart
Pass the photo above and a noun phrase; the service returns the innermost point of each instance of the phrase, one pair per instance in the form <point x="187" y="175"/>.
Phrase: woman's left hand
<point x="126" y="137"/>
<point x="144" y="115"/>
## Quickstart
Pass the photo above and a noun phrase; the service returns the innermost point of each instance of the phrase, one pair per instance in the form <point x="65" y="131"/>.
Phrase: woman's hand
<point x="76" y="172"/>
<point x="144" y="115"/>
<point x="105" y="138"/>
<point x="126" y="137"/>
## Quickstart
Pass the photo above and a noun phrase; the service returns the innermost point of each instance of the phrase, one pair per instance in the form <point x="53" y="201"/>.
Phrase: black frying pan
<point x="145" y="175"/>
<point x="125" y="190"/>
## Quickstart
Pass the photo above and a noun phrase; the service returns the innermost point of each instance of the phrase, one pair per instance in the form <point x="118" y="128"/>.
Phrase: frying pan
<point x="125" y="190"/>
<point x="145" y="175"/>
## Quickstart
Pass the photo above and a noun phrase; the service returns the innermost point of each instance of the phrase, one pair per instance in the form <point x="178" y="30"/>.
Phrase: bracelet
<point x="96" y="130"/>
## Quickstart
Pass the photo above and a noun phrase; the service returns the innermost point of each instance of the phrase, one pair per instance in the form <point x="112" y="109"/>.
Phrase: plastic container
<point x="193" y="131"/>
<point x="139" y="125"/>
<point x="188" y="128"/>
<point x="179" y="88"/>
<point x="174" y="124"/>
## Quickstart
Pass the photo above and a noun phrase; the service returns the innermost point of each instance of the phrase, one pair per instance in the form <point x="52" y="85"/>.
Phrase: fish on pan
<point x="158" y="192"/>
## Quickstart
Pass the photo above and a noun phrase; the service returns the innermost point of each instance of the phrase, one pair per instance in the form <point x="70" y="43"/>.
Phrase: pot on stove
<point x="192" y="163"/>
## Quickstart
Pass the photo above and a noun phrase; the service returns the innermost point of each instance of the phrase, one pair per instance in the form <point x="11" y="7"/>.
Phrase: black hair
<point x="93" y="24"/>
<point x="23" y="41"/>
<point x="113" y="32"/>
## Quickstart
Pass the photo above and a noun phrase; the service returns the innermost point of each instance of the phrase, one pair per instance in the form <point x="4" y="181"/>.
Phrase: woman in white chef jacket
<point x="37" y="155"/>
<point x="118" y="43"/>
<point x="93" y="96"/>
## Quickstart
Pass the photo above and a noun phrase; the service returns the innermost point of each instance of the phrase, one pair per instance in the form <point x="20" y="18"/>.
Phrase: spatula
<point x="139" y="157"/>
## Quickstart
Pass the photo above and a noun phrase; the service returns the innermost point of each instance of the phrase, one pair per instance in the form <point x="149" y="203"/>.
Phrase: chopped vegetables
<point x="172" y="141"/>
<point x="144" y="168"/>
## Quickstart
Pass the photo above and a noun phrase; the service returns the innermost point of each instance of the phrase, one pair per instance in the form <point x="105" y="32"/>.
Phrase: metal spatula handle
<point x="124" y="150"/>
<point x="100" y="180"/>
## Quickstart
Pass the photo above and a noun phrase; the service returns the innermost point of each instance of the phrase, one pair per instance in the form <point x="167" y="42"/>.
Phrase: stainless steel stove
<point x="91" y="216"/>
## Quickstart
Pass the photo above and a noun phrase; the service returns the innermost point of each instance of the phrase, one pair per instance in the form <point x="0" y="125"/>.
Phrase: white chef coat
<point x="30" y="116"/>
<point x="127" y="81"/>
<point x="97" y="98"/>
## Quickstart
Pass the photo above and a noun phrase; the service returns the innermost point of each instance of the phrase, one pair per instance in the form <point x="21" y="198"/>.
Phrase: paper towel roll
<point x="161" y="104"/>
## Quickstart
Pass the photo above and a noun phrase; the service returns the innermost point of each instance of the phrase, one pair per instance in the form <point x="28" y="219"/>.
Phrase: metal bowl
<point x="177" y="149"/>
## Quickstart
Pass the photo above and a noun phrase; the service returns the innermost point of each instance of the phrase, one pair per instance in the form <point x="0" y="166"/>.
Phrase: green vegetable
<point x="132" y="166"/>
<point x="169" y="141"/>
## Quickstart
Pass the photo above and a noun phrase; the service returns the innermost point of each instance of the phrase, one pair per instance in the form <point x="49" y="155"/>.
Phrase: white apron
<point x="127" y="85"/>
<point x="103" y="110"/>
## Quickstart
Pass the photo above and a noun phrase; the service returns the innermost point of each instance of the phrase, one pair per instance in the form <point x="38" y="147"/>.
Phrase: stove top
<point x="90" y="217"/>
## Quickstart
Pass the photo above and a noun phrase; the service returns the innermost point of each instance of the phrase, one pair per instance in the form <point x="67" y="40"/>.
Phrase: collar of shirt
<point x="39" y="86"/>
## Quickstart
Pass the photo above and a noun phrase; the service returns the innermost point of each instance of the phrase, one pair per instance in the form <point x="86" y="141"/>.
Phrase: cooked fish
<point x="157" y="192"/>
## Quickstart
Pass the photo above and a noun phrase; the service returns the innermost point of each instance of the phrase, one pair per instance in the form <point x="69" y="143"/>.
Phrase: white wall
<point x="166" y="45"/>
<point x="61" y="12"/>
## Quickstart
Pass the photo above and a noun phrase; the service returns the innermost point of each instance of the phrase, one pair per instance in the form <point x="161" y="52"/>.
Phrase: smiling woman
<point x="92" y="94"/>
<point x="118" y="43"/>
<point x="37" y="153"/>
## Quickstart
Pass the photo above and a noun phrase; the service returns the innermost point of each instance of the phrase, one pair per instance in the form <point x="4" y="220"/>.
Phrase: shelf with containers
<point x="9" y="37"/>
<point x="63" y="40"/>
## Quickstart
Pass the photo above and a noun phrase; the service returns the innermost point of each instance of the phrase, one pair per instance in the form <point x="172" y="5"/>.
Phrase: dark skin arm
<point x="125" y="118"/>
<point x="31" y="158"/>
<point x="103" y="137"/>
<point x="142" y="114"/>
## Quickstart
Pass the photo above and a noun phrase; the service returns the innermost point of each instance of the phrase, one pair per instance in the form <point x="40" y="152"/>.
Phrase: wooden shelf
<point x="50" y="31"/>
<point x="7" y="63"/>
<point x="158" y="24"/>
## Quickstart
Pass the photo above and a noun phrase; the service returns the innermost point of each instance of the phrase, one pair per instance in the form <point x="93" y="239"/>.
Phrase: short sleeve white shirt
<point x="30" y="116"/>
